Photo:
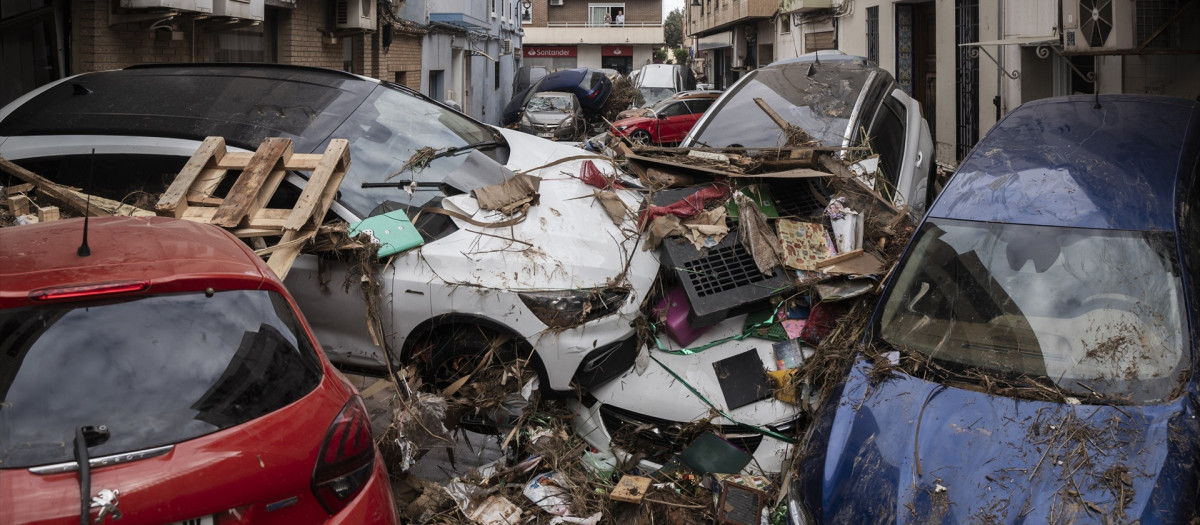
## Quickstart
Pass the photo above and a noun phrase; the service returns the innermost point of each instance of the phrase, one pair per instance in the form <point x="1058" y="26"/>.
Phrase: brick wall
<point x="300" y="41"/>
<point x="98" y="46"/>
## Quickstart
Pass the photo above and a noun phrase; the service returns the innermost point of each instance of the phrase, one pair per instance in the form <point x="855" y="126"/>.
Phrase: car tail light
<point x="346" y="458"/>
<point x="88" y="290"/>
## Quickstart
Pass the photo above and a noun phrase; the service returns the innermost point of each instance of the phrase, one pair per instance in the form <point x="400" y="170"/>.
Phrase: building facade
<point x="459" y="51"/>
<point x="968" y="62"/>
<point x="620" y="35"/>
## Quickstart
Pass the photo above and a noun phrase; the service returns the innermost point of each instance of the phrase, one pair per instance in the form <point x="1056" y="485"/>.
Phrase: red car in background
<point x="666" y="122"/>
<point x="166" y="378"/>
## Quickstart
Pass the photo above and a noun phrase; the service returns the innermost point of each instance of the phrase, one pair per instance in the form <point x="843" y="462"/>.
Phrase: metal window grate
<point x="800" y="199"/>
<point x="1152" y="14"/>
<point x="873" y="34"/>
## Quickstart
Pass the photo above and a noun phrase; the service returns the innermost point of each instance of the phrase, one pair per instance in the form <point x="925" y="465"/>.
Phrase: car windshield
<point x="156" y="371"/>
<point x="385" y="132"/>
<point x="821" y="104"/>
<point x="1097" y="313"/>
<point x="654" y="95"/>
<point x="550" y="103"/>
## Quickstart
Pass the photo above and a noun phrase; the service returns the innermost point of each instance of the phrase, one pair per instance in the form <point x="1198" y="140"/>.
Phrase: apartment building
<point x="968" y="62"/>
<point x="459" y="51"/>
<point x="620" y="35"/>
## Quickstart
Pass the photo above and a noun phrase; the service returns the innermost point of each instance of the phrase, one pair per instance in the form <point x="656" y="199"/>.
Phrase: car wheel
<point x="641" y="137"/>
<point x="449" y="353"/>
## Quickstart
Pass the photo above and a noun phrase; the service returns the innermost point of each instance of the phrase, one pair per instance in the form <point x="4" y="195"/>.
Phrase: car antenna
<point x="84" y="250"/>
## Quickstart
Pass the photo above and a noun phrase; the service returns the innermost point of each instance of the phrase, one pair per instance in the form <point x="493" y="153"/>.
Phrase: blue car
<point x="1033" y="358"/>
<point x="590" y="85"/>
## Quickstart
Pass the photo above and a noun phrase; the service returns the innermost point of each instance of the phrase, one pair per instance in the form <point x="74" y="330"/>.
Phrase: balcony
<point x="584" y="32"/>
<point x="720" y="14"/>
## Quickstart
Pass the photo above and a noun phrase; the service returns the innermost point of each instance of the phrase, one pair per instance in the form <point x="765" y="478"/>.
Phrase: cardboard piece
<point x="742" y="378"/>
<point x="857" y="262"/>
<point x="631" y="489"/>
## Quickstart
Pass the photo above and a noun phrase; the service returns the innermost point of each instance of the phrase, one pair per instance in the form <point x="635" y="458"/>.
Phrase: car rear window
<point x="155" y="371"/>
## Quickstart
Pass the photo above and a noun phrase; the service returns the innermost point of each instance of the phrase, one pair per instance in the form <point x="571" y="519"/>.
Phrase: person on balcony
<point x="607" y="20"/>
<point x="620" y="17"/>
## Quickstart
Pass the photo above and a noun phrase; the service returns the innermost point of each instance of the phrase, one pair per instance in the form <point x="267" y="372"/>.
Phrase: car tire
<point x="641" y="137"/>
<point x="450" y="352"/>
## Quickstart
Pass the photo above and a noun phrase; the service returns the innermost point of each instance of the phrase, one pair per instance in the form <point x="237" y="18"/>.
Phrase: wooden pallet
<point x="243" y="210"/>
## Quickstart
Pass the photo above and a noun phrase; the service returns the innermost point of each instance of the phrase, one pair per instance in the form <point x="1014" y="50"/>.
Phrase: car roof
<point x="245" y="103"/>
<point x="169" y="252"/>
<point x="1113" y="162"/>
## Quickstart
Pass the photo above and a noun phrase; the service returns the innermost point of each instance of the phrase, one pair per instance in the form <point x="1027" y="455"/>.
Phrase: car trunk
<point x="241" y="471"/>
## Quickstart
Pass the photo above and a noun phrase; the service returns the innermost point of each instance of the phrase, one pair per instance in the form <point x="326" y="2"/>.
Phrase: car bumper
<point x="656" y="400"/>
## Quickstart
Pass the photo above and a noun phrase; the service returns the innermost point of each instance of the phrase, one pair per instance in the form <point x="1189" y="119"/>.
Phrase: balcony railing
<point x="602" y="24"/>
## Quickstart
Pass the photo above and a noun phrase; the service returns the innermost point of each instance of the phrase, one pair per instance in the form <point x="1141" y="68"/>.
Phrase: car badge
<point x="106" y="500"/>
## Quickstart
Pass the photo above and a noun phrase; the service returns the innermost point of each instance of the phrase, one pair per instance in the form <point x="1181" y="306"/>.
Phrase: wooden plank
<point x="661" y="162"/>
<point x="798" y="173"/>
<point x="783" y="124"/>
<point x="173" y="203"/>
<point x="322" y="185"/>
<point x="283" y="254"/>
<point x="267" y="218"/>
<point x="56" y="192"/>
<point x="18" y="188"/>
<point x="237" y="160"/>
<point x="47" y="213"/>
<point x="244" y="194"/>
<point x="205" y="184"/>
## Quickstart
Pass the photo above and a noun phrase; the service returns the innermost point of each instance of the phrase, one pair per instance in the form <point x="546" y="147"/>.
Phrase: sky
<point x="670" y="5"/>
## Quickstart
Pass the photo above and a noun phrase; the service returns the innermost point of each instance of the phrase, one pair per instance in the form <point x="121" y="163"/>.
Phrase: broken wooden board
<point x="243" y="210"/>
<point x="678" y="165"/>
<point x="58" y="193"/>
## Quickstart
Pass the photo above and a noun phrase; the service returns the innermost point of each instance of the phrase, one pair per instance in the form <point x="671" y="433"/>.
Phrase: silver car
<point x="553" y="115"/>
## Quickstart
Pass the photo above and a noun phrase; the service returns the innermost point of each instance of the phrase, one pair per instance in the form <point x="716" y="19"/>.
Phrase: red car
<point x="666" y="122"/>
<point x="171" y="365"/>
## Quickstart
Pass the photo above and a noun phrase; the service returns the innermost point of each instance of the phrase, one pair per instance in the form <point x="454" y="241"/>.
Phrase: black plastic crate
<point x="801" y="198"/>
<point x="721" y="281"/>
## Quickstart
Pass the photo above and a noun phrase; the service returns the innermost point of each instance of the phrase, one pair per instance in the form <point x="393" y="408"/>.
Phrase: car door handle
<point x="920" y="159"/>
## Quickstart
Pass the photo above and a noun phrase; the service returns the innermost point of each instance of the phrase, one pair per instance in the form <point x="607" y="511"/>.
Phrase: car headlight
<point x="566" y="124"/>
<point x="564" y="309"/>
<point x="525" y="120"/>
<point x="622" y="128"/>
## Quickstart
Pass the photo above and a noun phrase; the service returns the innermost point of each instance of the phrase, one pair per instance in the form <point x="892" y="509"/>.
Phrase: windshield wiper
<point x="486" y="144"/>
<point x="416" y="185"/>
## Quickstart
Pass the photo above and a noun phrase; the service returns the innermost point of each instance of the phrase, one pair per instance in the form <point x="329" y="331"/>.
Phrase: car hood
<point x="567" y="240"/>
<point x="934" y="453"/>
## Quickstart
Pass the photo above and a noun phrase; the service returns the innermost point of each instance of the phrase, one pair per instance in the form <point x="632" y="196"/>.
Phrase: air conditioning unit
<point x="243" y="9"/>
<point x="556" y="2"/>
<point x="197" y="6"/>
<point x="507" y="50"/>
<point x="354" y="14"/>
<point x="1094" y="25"/>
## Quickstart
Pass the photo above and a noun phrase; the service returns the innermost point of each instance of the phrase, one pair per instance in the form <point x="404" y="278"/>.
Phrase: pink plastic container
<point x="673" y="309"/>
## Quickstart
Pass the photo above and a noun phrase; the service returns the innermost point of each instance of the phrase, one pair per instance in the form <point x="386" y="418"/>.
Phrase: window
<point x="527" y="14"/>
<point x="496" y="75"/>
<point x="873" y="34"/>
<point x="785" y="23"/>
<point x="701" y="105"/>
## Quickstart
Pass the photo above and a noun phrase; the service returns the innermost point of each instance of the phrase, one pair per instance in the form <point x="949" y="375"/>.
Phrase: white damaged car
<point x="559" y="283"/>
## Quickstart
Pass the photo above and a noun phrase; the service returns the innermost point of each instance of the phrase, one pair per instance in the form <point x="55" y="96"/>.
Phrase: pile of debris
<point x="797" y="238"/>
